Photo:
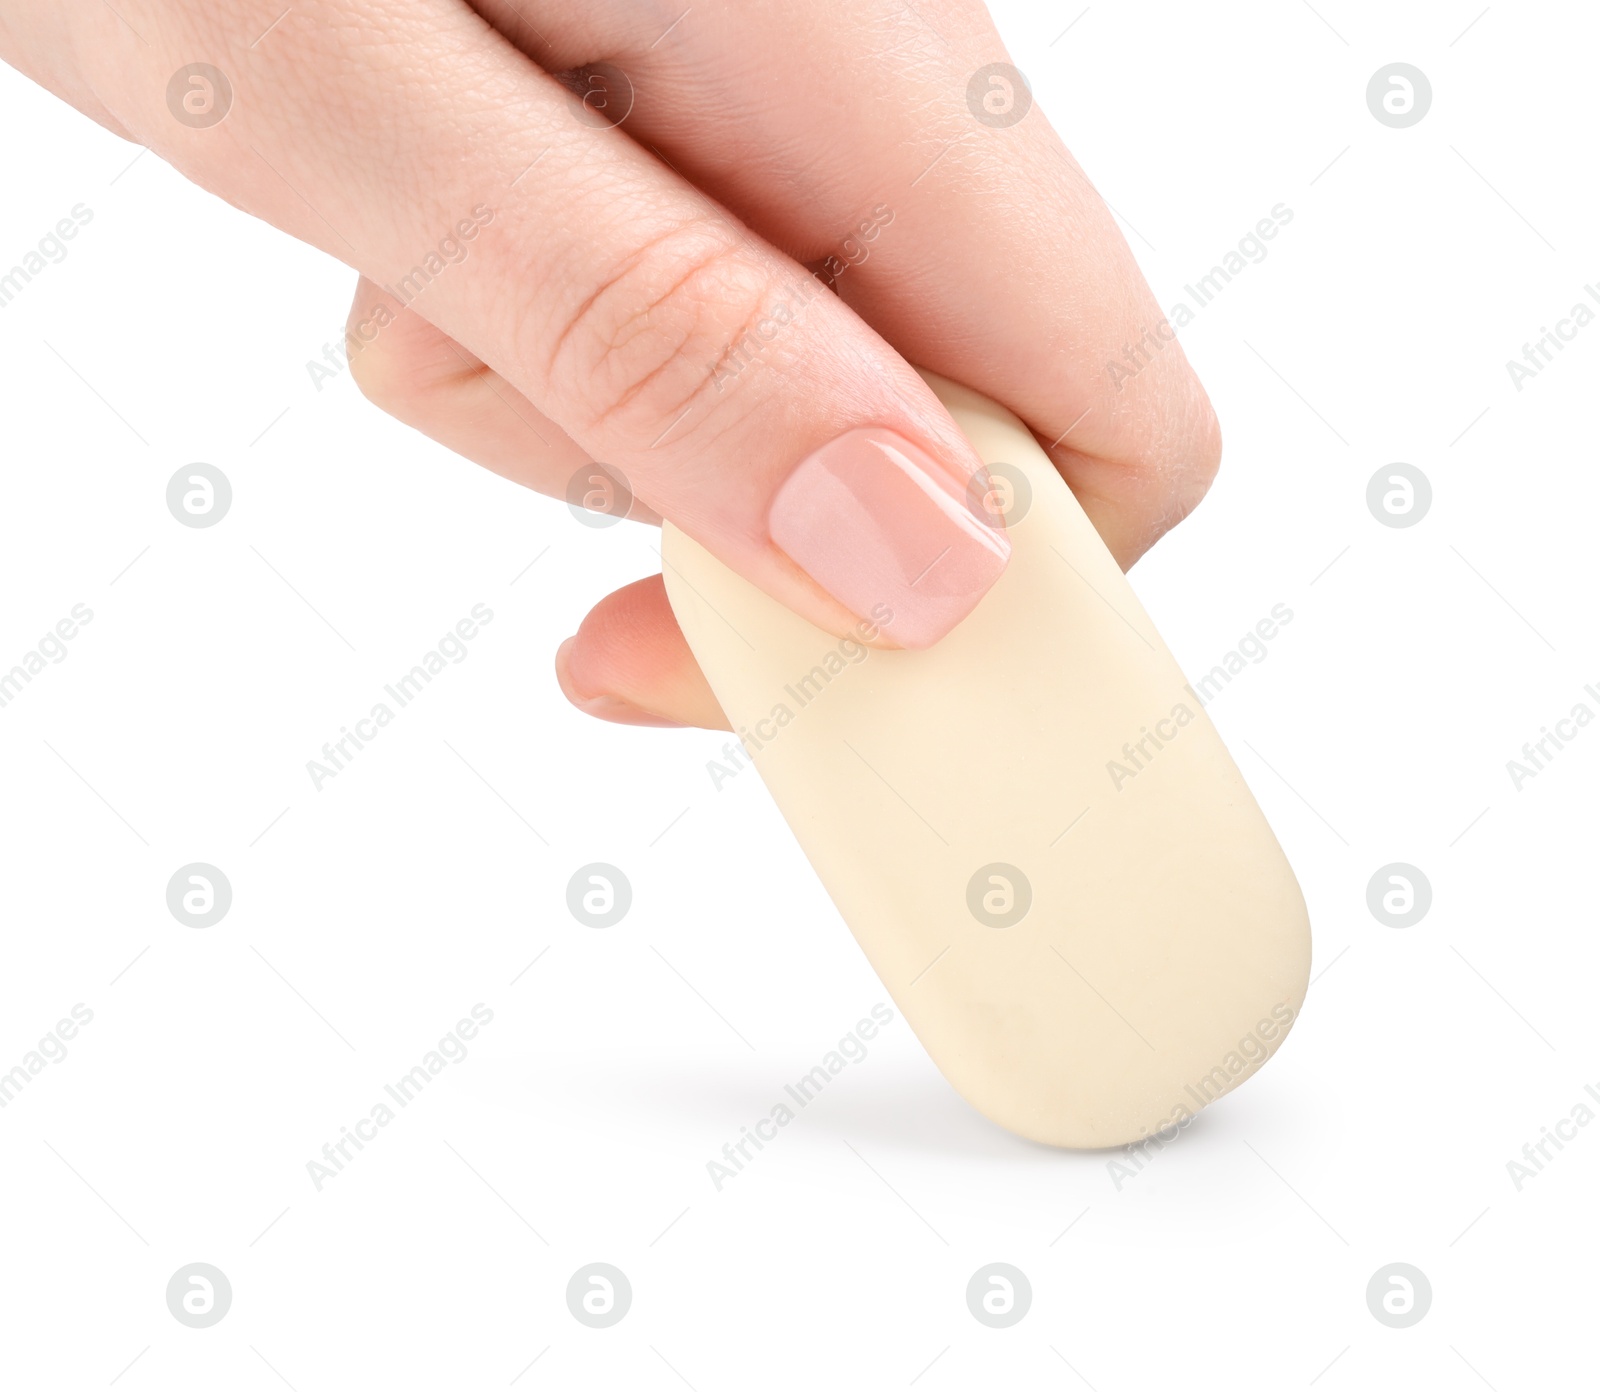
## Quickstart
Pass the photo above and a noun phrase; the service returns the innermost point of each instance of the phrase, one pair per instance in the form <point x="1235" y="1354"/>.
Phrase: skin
<point x="621" y="261"/>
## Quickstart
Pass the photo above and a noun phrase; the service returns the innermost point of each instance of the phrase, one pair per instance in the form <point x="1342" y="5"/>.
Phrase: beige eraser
<point x="1032" y="827"/>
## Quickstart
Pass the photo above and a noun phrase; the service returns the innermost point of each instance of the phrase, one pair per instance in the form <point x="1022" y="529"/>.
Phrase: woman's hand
<point x="597" y="221"/>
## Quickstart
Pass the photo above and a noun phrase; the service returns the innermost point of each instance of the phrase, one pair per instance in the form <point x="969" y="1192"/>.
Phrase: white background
<point x="369" y="917"/>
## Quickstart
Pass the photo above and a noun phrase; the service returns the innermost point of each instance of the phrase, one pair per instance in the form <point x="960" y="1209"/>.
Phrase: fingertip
<point x="602" y="706"/>
<point x="629" y="663"/>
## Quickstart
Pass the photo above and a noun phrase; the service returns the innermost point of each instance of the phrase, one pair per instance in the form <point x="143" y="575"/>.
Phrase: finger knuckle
<point x="380" y="373"/>
<point x="644" y="345"/>
<point x="1197" y="461"/>
<point x="1205" y="457"/>
<point x="401" y="363"/>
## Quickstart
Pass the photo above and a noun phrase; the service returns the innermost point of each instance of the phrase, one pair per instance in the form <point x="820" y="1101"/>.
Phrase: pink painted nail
<point x="882" y="526"/>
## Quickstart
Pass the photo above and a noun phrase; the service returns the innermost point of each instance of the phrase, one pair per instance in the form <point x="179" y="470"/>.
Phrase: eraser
<point x="1032" y="828"/>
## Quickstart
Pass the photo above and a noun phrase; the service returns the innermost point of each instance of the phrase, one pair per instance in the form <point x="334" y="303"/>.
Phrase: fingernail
<point x="604" y="707"/>
<point x="881" y="525"/>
